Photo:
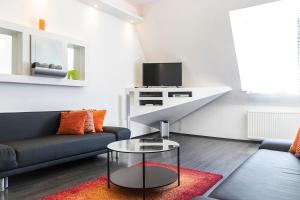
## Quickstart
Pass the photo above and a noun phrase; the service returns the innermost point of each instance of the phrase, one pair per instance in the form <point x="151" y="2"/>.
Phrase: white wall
<point x="5" y="53"/>
<point x="198" y="33"/>
<point x="113" y="54"/>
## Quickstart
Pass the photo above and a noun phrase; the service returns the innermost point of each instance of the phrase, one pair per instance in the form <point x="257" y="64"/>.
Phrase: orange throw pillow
<point x="89" y="126"/>
<point x="297" y="154"/>
<point x="72" y="123"/>
<point x="99" y="116"/>
<point x="293" y="148"/>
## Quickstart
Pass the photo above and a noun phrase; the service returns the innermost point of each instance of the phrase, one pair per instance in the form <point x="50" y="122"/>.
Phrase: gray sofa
<point x="28" y="141"/>
<point x="272" y="173"/>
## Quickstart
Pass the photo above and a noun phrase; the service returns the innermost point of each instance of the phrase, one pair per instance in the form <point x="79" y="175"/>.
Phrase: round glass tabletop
<point x="146" y="145"/>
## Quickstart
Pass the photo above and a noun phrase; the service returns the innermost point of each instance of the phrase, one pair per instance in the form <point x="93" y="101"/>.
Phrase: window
<point x="265" y="39"/>
<point x="5" y="54"/>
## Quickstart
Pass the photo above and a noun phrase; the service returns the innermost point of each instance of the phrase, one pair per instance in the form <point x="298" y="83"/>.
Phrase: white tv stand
<point x="149" y="106"/>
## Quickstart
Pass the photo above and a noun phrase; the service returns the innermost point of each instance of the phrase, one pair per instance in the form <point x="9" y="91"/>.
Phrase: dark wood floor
<point x="209" y="154"/>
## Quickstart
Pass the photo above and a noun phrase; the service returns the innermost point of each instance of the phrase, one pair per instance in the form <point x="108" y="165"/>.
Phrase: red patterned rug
<point x="193" y="183"/>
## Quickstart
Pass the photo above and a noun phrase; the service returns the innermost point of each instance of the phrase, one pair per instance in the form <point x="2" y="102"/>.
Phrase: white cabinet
<point x="149" y="106"/>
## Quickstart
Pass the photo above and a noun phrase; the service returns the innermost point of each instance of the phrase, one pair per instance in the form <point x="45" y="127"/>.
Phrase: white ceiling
<point x="141" y="2"/>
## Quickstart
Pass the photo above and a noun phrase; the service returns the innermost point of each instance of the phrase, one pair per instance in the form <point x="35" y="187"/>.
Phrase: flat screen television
<point x="162" y="74"/>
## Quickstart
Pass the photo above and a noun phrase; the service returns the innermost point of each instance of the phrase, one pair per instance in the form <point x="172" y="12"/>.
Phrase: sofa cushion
<point x="72" y="123"/>
<point x="48" y="148"/>
<point x="267" y="175"/>
<point x="297" y="154"/>
<point x="16" y="126"/>
<point x="99" y="116"/>
<point x="89" y="126"/>
<point x="7" y="158"/>
<point x="293" y="147"/>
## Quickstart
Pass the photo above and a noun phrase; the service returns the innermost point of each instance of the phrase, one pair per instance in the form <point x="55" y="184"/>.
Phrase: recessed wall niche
<point x="10" y="51"/>
<point x="21" y="46"/>
<point x="76" y="60"/>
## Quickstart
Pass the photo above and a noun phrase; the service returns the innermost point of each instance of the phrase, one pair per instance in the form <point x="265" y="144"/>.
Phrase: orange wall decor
<point x="42" y="24"/>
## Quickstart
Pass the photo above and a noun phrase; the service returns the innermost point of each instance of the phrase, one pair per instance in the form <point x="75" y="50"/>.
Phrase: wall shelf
<point x="35" y="80"/>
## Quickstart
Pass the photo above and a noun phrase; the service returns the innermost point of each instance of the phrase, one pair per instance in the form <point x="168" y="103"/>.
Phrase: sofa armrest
<point x="276" y="145"/>
<point x="8" y="158"/>
<point x="121" y="133"/>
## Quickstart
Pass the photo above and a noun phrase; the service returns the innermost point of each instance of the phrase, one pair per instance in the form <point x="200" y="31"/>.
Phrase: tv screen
<point x="162" y="74"/>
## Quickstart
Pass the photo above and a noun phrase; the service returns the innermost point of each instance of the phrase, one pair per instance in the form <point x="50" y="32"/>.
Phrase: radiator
<point x="272" y="124"/>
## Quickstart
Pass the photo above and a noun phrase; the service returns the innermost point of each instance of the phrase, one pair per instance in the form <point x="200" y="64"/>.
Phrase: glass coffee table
<point x="142" y="176"/>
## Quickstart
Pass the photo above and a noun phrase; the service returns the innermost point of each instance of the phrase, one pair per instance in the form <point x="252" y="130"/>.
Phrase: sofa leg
<point x="6" y="182"/>
<point x="2" y="184"/>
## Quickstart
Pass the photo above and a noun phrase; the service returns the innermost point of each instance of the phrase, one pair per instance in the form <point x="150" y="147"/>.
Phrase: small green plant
<point x="73" y="74"/>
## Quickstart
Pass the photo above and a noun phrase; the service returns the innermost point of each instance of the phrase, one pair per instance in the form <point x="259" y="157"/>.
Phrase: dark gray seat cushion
<point x="48" y="148"/>
<point x="267" y="175"/>
<point x="7" y="158"/>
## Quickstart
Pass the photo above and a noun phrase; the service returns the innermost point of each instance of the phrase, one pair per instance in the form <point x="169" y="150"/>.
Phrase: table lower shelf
<point x="132" y="177"/>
